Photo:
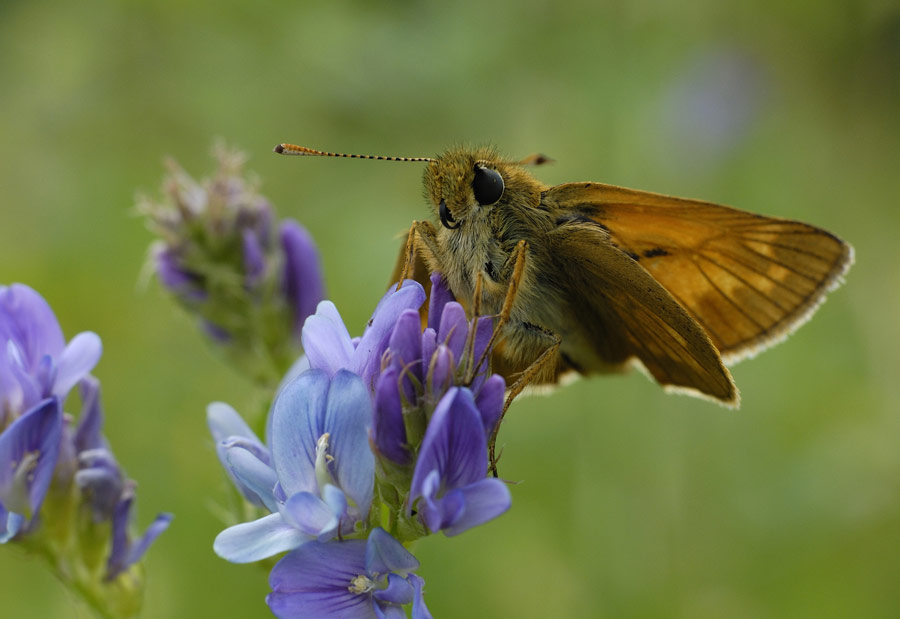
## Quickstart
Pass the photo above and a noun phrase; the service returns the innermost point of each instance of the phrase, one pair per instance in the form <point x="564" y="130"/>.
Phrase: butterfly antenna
<point x="293" y="149"/>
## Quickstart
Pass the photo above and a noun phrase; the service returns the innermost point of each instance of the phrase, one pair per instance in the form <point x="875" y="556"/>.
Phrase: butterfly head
<point x="463" y="182"/>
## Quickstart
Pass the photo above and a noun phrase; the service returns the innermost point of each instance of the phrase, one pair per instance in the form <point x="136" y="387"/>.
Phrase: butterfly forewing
<point x="747" y="279"/>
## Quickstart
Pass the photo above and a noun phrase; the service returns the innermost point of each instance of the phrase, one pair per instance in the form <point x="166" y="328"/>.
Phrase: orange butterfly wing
<point x="748" y="280"/>
<point x="623" y="313"/>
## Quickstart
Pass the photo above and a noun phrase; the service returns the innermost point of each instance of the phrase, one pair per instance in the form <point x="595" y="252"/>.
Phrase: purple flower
<point x="29" y="449"/>
<point x="250" y="280"/>
<point x="450" y="480"/>
<point x="328" y="344"/>
<point x="125" y="552"/>
<point x="104" y="487"/>
<point x="353" y="579"/>
<point x="301" y="278"/>
<point x="35" y="361"/>
<point x="424" y="364"/>
<point x="319" y="481"/>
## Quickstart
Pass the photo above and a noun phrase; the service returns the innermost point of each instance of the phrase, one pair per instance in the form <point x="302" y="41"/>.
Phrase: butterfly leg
<point x="546" y="359"/>
<point x="426" y="248"/>
<point x="518" y="260"/>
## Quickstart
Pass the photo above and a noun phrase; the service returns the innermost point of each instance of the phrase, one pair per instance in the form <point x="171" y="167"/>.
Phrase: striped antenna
<point x="293" y="149"/>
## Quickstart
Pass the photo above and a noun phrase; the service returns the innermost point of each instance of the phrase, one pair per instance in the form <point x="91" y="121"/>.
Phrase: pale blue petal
<point x="336" y="500"/>
<point x="298" y="417"/>
<point x="326" y="340"/>
<point x="13" y="522"/>
<point x="252" y="541"/>
<point x="256" y="478"/>
<point x="348" y="420"/>
<point x="223" y="421"/>
<point x="310" y="514"/>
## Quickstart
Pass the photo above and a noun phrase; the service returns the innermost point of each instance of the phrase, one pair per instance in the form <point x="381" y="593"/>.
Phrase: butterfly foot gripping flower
<point x="62" y="493"/>
<point x="250" y="280"/>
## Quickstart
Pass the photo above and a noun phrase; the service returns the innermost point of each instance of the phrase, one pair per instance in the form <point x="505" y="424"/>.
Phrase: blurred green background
<point x="632" y="503"/>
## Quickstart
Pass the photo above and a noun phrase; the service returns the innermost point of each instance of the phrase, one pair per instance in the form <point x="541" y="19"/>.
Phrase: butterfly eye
<point x="487" y="185"/>
<point x="446" y="217"/>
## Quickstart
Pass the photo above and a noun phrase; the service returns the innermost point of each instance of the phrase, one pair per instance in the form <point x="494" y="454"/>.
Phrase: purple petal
<point x="385" y="610"/>
<point x="419" y="610"/>
<point x="454" y="329"/>
<point x="298" y="420"/>
<point x="388" y="428"/>
<point x="440" y="296"/>
<point x="454" y="444"/>
<point x="118" y="554"/>
<point x="254" y="258"/>
<point x="156" y="528"/>
<point x="384" y="555"/>
<point x="90" y="422"/>
<point x="440" y="371"/>
<point x="310" y="514"/>
<point x="483" y="500"/>
<point x="76" y="361"/>
<point x="406" y="345"/>
<point x="314" y="581"/>
<point x="439" y="513"/>
<point x="26" y="390"/>
<point x="490" y="402"/>
<point x="29" y="449"/>
<point x="367" y="357"/>
<point x="348" y="419"/>
<point x="429" y="345"/>
<point x="336" y="501"/>
<point x="174" y="277"/>
<point x="26" y="318"/>
<point x="302" y="280"/>
<point x="224" y="422"/>
<point x="252" y="541"/>
<point x="215" y="332"/>
<point x="333" y="604"/>
<point x="399" y="591"/>
<point x="101" y="482"/>
<point x="326" y="340"/>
